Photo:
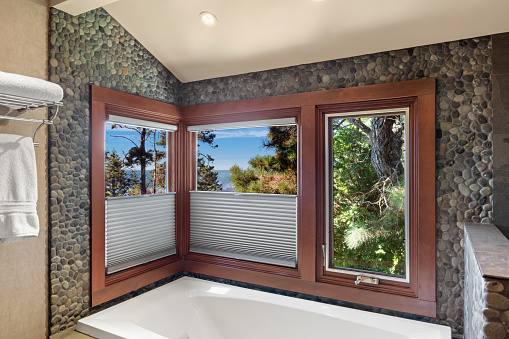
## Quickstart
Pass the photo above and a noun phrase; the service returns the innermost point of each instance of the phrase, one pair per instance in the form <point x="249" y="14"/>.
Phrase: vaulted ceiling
<point x="255" y="35"/>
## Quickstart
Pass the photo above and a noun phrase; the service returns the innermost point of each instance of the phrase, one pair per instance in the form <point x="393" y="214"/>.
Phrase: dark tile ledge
<point x="491" y="249"/>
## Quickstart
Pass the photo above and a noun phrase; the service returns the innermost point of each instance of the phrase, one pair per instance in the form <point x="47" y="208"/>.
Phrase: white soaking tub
<point x="190" y="308"/>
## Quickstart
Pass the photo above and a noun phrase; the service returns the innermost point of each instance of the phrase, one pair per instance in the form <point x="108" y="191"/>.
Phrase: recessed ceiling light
<point x="208" y="18"/>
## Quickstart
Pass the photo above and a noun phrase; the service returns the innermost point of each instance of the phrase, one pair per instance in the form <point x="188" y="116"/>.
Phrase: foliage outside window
<point x="367" y="179"/>
<point x="248" y="160"/>
<point x="135" y="161"/>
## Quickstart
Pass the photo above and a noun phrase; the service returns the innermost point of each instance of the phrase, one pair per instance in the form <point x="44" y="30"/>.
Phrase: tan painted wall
<point x="23" y="265"/>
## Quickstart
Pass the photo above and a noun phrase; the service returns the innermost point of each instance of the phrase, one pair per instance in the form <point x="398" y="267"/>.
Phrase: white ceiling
<point x="255" y="35"/>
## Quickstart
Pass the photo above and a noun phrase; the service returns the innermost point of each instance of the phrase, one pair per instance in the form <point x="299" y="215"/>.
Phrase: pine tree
<point x="206" y="176"/>
<point x="275" y="174"/>
<point x="117" y="181"/>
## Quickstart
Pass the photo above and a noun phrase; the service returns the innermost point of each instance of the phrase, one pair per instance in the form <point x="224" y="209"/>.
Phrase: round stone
<point x="497" y="301"/>
<point x="464" y="189"/>
<point x="486" y="191"/>
<point x="494" y="330"/>
<point x="491" y="314"/>
<point x="494" y="286"/>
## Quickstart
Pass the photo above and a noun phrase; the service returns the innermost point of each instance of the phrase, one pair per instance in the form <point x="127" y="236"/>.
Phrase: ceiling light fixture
<point x="208" y="18"/>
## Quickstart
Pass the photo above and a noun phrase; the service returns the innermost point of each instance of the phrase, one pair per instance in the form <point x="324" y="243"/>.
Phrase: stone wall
<point x="463" y="118"/>
<point x="500" y="78"/>
<point x="486" y="283"/>
<point x="475" y="294"/>
<point x="93" y="48"/>
<point x="88" y="49"/>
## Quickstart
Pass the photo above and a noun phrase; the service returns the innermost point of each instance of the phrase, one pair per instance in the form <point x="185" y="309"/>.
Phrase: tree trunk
<point x="386" y="140"/>
<point x="143" y="162"/>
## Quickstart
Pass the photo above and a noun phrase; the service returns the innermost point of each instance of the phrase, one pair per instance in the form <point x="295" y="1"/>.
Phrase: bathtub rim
<point x="188" y="284"/>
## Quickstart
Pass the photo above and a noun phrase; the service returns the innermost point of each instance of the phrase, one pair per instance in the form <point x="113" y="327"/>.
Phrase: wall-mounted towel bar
<point x="23" y="104"/>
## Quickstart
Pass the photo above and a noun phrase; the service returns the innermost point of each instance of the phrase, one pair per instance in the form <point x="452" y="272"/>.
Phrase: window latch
<point x="368" y="280"/>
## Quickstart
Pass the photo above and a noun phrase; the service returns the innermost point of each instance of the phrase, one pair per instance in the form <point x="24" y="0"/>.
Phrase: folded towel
<point x="18" y="189"/>
<point x="30" y="88"/>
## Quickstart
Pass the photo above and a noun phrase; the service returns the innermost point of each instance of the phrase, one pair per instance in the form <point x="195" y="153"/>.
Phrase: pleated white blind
<point x="139" y="229"/>
<point x="250" y="226"/>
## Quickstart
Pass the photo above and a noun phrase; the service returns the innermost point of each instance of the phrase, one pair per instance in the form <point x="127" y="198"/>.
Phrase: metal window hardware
<point x="367" y="280"/>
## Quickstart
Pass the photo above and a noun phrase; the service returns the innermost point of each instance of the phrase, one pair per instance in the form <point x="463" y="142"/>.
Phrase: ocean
<point x="224" y="177"/>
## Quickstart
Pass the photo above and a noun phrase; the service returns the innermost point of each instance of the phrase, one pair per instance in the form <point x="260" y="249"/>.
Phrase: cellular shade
<point x="243" y="124"/>
<point x="139" y="229"/>
<point x="141" y="123"/>
<point x="249" y="226"/>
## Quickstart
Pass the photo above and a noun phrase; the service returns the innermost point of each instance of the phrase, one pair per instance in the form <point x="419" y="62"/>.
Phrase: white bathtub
<point x="190" y="308"/>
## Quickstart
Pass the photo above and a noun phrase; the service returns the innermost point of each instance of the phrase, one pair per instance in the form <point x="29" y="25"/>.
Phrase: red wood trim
<point x="351" y="94"/>
<point x="132" y="102"/>
<point x="307" y="193"/>
<point x="137" y="270"/>
<point x="136" y="282"/>
<point x="339" y="292"/>
<point x="220" y="117"/>
<point x="242" y="264"/>
<point x="97" y="202"/>
<point x="426" y="186"/>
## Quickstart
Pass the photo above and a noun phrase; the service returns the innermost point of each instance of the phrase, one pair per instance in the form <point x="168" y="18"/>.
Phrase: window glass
<point x="250" y="160"/>
<point x="135" y="160"/>
<point x="367" y="207"/>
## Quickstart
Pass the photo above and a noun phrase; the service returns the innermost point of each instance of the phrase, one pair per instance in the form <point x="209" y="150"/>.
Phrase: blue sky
<point x="122" y="145"/>
<point x="236" y="147"/>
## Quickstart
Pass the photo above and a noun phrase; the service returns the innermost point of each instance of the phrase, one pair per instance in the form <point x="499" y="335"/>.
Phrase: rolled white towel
<point x="18" y="189"/>
<point x="30" y="88"/>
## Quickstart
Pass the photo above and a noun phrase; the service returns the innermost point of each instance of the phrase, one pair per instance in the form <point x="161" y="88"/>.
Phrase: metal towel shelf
<point x="23" y="105"/>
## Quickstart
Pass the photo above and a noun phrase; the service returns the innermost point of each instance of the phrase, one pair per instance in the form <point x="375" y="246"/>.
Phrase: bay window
<point x="336" y="198"/>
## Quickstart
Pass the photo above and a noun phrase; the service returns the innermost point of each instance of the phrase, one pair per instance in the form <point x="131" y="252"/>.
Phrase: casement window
<point x="367" y="195"/>
<point x="377" y="222"/>
<point x="245" y="205"/>
<point x="139" y="210"/>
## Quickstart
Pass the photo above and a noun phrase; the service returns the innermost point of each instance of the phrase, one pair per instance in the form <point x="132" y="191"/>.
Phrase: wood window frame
<point x="308" y="277"/>
<point x="104" y="102"/>
<point x="418" y="297"/>
<point x="418" y="168"/>
<point x="212" y="118"/>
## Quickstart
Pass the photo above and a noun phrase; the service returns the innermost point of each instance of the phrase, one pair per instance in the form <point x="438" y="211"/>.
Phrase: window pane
<point x="135" y="160"/>
<point x="251" y="160"/>
<point x="368" y="193"/>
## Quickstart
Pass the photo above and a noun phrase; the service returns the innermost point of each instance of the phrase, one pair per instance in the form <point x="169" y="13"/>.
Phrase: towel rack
<point x="23" y="105"/>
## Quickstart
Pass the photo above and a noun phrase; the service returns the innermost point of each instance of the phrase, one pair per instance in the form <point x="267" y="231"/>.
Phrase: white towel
<point x="28" y="87"/>
<point x="18" y="189"/>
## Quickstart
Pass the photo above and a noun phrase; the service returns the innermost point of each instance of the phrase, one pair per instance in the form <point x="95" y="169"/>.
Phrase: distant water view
<point x="224" y="177"/>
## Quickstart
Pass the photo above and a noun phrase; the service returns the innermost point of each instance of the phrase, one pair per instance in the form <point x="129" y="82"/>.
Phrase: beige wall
<point x="23" y="265"/>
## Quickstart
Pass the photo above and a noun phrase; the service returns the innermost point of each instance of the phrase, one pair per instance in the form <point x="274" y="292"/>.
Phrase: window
<point x="140" y="212"/>
<point x="378" y="188"/>
<point x="243" y="225"/>
<point x="134" y="210"/>
<point x="367" y="205"/>
<point x="245" y="205"/>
